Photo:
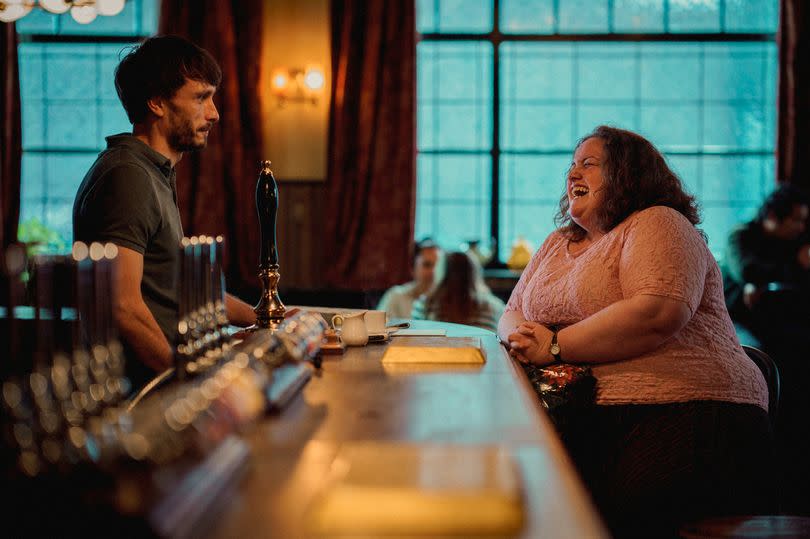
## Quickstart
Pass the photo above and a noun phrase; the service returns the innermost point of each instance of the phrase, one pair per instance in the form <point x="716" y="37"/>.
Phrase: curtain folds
<point x="10" y="137"/>
<point x="216" y="186"/>
<point x="793" y="139"/>
<point x="371" y="184"/>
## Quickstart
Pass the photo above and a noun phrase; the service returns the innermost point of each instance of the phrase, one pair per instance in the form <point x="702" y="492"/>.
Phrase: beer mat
<point x="377" y="488"/>
<point x="447" y="350"/>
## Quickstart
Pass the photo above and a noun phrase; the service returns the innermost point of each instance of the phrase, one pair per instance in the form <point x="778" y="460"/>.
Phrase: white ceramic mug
<point x="352" y="328"/>
<point x="375" y="322"/>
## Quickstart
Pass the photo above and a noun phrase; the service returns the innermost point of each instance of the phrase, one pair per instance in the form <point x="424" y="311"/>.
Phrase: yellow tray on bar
<point x="378" y="489"/>
<point x="445" y="350"/>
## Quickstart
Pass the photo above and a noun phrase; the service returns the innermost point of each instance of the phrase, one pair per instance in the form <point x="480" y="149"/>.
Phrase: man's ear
<point x="157" y="106"/>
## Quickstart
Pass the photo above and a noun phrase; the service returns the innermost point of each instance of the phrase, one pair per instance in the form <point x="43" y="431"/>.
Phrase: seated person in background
<point x="767" y="285"/>
<point x="460" y="296"/>
<point x="398" y="300"/>
<point x="766" y="270"/>
<point x="628" y="286"/>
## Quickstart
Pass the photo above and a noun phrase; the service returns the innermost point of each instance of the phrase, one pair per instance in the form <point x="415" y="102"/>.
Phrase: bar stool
<point x="753" y="526"/>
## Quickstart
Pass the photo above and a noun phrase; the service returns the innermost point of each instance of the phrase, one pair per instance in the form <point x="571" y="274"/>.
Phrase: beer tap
<point x="270" y="310"/>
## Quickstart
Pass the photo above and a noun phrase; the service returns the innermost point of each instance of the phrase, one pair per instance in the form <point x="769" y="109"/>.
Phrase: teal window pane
<point x="720" y="220"/>
<point x="32" y="72"/>
<point x="687" y="167"/>
<point x="636" y="16"/>
<point x="33" y="124"/>
<point x="530" y="126"/>
<point x="670" y="72"/>
<point x="694" y="16"/>
<point x="623" y="115"/>
<point x="607" y="71"/>
<point x="672" y="127"/>
<point x="127" y="23"/>
<point x="531" y="189"/>
<point x="70" y="72"/>
<point x="454" y="198"/>
<point x="65" y="171"/>
<point x="427" y="15"/>
<point x="537" y="91"/>
<point x="734" y="180"/>
<point x="454" y="16"/>
<point x="72" y="125"/>
<point x="38" y="21"/>
<point x="454" y="96"/>
<point x="738" y="125"/>
<point x="536" y="71"/>
<point x="113" y="121"/>
<point x="751" y="16"/>
<point x="58" y="214"/>
<point x="33" y="185"/>
<point x="527" y="16"/>
<point x="583" y="16"/>
<point x="735" y="71"/>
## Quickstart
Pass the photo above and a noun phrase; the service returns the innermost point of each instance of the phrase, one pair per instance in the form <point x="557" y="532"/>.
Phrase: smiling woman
<point x="628" y="285"/>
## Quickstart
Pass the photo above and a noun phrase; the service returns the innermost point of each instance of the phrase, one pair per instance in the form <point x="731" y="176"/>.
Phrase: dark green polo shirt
<point x="129" y="197"/>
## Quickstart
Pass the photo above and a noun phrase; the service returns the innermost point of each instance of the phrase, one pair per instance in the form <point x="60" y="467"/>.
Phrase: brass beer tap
<point x="270" y="310"/>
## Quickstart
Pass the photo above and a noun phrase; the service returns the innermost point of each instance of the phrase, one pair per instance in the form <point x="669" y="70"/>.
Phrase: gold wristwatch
<point x="554" y="349"/>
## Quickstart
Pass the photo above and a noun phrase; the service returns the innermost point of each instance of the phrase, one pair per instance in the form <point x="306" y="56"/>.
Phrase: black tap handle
<point x="267" y="207"/>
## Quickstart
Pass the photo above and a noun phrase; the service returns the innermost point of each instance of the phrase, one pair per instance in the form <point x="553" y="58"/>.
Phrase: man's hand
<point x="530" y="344"/>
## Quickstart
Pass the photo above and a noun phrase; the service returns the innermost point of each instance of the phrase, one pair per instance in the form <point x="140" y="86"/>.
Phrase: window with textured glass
<point x="698" y="78"/>
<point x="69" y="105"/>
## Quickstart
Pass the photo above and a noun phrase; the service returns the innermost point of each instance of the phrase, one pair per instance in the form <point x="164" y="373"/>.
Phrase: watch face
<point x="555" y="349"/>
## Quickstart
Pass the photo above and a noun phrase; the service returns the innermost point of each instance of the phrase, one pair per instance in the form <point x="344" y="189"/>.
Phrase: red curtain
<point x="216" y="186"/>
<point x="10" y="137"/>
<point x="371" y="186"/>
<point x="793" y="143"/>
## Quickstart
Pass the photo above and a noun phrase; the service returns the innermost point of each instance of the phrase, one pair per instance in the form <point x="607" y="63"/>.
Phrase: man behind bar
<point x="129" y="197"/>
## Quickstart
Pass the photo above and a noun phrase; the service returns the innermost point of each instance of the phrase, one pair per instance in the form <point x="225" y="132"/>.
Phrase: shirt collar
<point x="130" y="141"/>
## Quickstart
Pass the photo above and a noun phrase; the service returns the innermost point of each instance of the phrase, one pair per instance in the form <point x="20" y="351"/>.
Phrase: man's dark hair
<point x="781" y="201"/>
<point x="158" y="67"/>
<point x="636" y="176"/>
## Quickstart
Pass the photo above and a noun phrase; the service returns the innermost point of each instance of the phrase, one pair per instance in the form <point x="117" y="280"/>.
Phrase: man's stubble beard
<point x="182" y="138"/>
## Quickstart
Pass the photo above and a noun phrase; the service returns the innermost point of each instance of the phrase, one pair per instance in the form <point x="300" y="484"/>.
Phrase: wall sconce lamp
<point x="296" y="85"/>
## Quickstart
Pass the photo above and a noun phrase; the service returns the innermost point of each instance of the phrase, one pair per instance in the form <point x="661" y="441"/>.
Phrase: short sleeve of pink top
<point x="658" y="252"/>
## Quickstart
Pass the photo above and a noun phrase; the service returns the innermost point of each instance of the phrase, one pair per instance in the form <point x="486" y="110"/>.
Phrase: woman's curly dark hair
<point x="636" y="176"/>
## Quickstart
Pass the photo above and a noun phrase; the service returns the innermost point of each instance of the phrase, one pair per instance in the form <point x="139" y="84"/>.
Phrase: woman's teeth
<point x="579" y="190"/>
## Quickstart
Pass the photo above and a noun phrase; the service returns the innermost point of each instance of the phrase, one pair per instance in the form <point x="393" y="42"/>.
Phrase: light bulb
<point x="313" y="79"/>
<point x="110" y="7"/>
<point x="10" y="12"/>
<point x="83" y="14"/>
<point x="280" y="80"/>
<point x="54" y="6"/>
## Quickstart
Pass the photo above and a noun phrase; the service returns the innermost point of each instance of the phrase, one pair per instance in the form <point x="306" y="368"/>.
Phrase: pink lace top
<point x="655" y="251"/>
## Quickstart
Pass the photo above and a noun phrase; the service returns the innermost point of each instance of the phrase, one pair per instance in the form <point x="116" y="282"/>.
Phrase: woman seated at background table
<point x="461" y="296"/>
<point x="628" y="285"/>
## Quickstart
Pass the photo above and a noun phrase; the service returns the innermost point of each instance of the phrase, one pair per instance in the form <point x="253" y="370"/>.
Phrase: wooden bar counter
<point x="356" y="398"/>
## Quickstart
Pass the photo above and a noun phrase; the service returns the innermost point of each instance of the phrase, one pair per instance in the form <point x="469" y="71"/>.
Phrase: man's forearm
<point x="141" y="332"/>
<point x="239" y="312"/>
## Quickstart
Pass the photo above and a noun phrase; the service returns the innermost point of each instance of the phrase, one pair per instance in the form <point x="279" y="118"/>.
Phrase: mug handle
<point x="335" y="320"/>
